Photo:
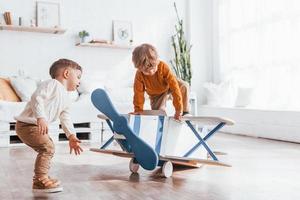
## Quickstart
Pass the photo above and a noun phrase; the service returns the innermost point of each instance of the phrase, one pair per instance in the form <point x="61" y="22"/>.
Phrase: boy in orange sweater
<point x="156" y="79"/>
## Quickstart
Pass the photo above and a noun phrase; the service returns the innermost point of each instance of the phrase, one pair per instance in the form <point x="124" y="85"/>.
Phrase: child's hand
<point x="42" y="126"/>
<point x="177" y="115"/>
<point x="74" y="145"/>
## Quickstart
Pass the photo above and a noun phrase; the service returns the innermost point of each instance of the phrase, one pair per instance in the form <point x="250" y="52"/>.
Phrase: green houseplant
<point x="82" y="35"/>
<point x="182" y="62"/>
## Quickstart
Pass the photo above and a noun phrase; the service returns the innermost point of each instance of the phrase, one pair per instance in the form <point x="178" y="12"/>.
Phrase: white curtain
<point x="259" y="46"/>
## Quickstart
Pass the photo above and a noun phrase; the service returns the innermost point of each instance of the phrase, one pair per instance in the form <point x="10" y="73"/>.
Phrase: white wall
<point x="201" y="30"/>
<point x="153" y="22"/>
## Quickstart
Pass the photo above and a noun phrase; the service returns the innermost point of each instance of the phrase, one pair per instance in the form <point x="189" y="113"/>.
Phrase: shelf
<point x="103" y="45"/>
<point x="32" y="29"/>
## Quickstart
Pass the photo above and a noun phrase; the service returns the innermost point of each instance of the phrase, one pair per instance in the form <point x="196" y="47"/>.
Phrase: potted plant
<point x="83" y="35"/>
<point x="181" y="63"/>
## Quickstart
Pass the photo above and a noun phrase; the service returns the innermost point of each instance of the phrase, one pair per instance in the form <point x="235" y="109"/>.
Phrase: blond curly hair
<point x="145" y="57"/>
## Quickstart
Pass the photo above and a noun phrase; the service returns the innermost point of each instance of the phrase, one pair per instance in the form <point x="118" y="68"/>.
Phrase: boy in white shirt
<point x="49" y="103"/>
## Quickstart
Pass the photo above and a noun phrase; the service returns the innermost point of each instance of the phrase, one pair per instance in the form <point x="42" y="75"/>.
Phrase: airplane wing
<point x="186" y="161"/>
<point x="193" y="160"/>
<point x="123" y="154"/>
<point x="205" y="120"/>
<point x="144" y="112"/>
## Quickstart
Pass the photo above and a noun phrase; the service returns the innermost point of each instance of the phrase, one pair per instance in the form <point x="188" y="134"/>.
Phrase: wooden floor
<point x="262" y="170"/>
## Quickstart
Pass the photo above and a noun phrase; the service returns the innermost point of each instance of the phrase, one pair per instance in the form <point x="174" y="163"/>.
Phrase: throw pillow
<point x="244" y="97"/>
<point x="88" y="86"/>
<point x="24" y="87"/>
<point x="73" y="95"/>
<point x="223" y="94"/>
<point x="7" y="92"/>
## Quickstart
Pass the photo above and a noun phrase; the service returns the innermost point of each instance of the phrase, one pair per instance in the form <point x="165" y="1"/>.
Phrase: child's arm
<point x="69" y="130"/>
<point x="138" y="97"/>
<point x="37" y="102"/>
<point x="175" y="91"/>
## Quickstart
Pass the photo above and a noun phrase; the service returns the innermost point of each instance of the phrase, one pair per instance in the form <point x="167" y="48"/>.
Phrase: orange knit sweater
<point x="162" y="81"/>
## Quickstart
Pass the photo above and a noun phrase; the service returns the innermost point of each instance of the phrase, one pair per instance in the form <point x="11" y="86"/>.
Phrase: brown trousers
<point x="159" y="102"/>
<point x="42" y="144"/>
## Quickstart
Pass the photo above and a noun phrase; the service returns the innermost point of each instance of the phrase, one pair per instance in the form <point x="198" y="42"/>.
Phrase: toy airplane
<point x="170" y="145"/>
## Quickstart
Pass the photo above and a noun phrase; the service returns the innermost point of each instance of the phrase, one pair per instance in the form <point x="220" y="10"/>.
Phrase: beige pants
<point x="42" y="144"/>
<point x="159" y="102"/>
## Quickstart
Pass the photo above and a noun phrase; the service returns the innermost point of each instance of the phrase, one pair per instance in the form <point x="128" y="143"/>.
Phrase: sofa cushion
<point x="223" y="94"/>
<point x="8" y="110"/>
<point x="7" y="93"/>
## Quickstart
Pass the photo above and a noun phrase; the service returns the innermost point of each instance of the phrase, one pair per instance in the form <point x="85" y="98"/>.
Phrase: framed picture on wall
<point x="47" y="14"/>
<point x="122" y="32"/>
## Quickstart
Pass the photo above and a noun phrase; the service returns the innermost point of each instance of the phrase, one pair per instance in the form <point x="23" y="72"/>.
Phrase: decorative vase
<point x="83" y="39"/>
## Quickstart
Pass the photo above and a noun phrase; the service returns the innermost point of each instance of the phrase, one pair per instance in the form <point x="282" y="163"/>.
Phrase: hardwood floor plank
<point x="261" y="169"/>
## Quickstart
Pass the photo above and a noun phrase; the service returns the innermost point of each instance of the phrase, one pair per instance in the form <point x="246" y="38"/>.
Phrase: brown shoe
<point x="54" y="180"/>
<point x="45" y="185"/>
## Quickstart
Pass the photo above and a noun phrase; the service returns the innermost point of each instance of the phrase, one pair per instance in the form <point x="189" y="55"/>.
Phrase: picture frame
<point x="47" y="14"/>
<point x="122" y="32"/>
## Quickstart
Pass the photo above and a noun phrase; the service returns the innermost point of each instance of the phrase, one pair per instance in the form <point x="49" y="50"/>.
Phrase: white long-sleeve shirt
<point x="51" y="102"/>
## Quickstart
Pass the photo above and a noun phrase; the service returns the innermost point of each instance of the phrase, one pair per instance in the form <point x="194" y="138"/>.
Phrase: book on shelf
<point x="100" y="41"/>
<point x="7" y="18"/>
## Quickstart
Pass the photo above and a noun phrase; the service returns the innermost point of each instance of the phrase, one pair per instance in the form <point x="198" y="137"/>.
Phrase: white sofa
<point x="84" y="115"/>
<point x="256" y="110"/>
<point x="271" y="124"/>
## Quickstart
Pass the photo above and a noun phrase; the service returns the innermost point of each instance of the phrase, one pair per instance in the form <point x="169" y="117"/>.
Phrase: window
<point x="260" y="40"/>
